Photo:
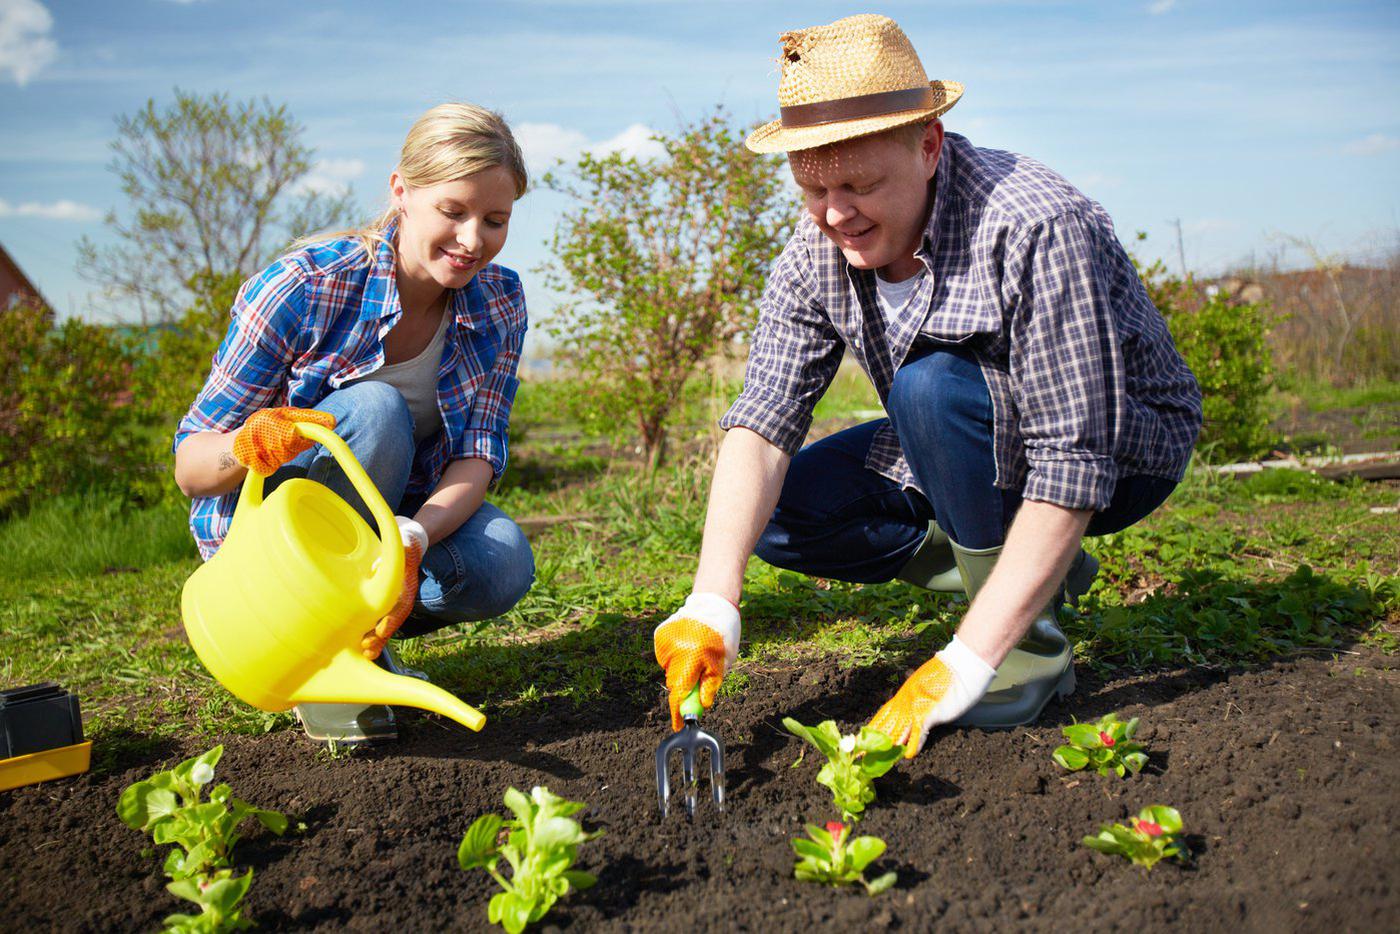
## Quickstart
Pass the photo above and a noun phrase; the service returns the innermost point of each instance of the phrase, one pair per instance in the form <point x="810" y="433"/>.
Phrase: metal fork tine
<point x="690" y="740"/>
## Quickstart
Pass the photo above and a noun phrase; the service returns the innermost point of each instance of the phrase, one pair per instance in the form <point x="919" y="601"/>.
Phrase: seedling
<point x="1151" y="836"/>
<point x="541" y="844"/>
<point x="218" y="897"/>
<point x="854" y="761"/>
<point x="1105" y="745"/>
<point x="170" y="806"/>
<point x="832" y="858"/>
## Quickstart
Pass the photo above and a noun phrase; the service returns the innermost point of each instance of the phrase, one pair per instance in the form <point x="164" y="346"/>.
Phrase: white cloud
<point x="25" y="46"/>
<point x="1373" y="145"/>
<point x="1158" y="7"/>
<point x="332" y="175"/>
<point x="56" y="211"/>
<point x="545" y="143"/>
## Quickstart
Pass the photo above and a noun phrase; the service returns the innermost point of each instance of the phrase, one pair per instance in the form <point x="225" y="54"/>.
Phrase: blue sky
<point x="1244" y="120"/>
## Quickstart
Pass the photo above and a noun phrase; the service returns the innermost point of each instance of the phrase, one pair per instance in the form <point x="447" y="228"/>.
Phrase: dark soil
<point x="1287" y="779"/>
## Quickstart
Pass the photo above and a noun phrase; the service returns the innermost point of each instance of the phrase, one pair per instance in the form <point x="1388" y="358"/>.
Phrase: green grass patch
<point x="78" y="536"/>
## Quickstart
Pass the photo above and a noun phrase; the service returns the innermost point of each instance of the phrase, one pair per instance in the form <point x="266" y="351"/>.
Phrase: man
<point x="1033" y="392"/>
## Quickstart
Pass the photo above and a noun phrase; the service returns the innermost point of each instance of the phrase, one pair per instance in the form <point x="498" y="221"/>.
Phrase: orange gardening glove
<point x="696" y="645"/>
<point x="268" y="439"/>
<point x="415" y="543"/>
<point x="944" y="688"/>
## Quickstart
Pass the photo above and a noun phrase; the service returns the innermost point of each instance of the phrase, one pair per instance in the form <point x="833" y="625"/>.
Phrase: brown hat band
<point x="854" y="108"/>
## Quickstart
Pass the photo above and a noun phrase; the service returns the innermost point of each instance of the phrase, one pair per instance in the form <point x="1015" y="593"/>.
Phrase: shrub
<point x="69" y="419"/>
<point x="1225" y="344"/>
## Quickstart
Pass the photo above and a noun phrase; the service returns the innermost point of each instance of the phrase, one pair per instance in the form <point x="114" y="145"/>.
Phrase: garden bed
<point x="1285" y="777"/>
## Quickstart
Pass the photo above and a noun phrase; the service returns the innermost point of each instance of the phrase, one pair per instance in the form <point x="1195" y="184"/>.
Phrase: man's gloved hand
<point x="269" y="438"/>
<point x="415" y="543"/>
<point x="696" y="645"/>
<point x="941" y="690"/>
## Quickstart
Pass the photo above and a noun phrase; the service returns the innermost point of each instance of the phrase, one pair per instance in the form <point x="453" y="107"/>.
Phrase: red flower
<point x="835" y="828"/>
<point x="1147" y="827"/>
<point x="1106" y="739"/>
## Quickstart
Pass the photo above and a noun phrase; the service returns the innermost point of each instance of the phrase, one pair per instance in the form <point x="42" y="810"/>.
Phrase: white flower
<point x="848" y="744"/>
<point x="202" y="773"/>
<point x="538" y="794"/>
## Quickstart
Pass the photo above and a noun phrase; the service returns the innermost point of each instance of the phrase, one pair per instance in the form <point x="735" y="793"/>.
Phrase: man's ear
<point x="931" y="146"/>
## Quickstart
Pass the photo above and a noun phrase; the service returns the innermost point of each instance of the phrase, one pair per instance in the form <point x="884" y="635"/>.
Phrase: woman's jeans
<point x="836" y="518"/>
<point x="479" y="571"/>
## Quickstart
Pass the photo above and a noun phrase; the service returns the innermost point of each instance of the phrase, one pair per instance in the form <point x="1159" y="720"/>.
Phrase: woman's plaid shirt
<point x="1026" y="272"/>
<point x="316" y="319"/>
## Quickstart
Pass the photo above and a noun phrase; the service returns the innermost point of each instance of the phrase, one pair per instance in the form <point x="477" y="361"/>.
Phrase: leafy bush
<point x="69" y="418"/>
<point x="1226" y="345"/>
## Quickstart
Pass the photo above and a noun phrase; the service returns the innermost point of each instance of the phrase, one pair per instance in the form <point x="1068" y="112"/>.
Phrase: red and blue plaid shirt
<point x="316" y="319"/>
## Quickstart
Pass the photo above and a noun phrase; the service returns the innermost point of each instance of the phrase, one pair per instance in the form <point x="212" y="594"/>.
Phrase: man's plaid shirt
<point x="316" y="319"/>
<point x="1024" y="271"/>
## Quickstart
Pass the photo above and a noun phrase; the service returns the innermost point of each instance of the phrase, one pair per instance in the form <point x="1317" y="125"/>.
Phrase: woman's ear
<point x="397" y="190"/>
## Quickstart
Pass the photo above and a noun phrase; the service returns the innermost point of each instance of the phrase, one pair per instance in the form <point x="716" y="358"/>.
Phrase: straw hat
<point x="857" y="76"/>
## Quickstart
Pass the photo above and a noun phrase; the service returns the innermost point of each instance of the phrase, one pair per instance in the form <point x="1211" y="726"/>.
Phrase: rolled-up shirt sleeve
<point x="251" y="366"/>
<point x="1066" y="365"/>
<point x="795" y="354"/>
<point x="488" y="420"/>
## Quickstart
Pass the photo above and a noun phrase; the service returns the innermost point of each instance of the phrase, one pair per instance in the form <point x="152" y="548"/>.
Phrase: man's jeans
<point x="836" y="518"/>
<point x="479" y="571"/>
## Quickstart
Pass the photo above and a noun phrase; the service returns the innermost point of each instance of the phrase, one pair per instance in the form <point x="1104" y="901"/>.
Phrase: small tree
<point x="669" y="257"/>
<point x="213" y="190"/>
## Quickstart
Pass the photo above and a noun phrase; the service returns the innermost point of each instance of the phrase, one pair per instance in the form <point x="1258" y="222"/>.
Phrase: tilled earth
<point x="1286" y="777"/>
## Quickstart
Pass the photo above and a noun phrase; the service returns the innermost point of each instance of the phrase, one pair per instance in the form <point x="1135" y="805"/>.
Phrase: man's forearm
<point x="458" y="496"/>
<point x="748" y="478"/>
<point x="1040" y="545"/>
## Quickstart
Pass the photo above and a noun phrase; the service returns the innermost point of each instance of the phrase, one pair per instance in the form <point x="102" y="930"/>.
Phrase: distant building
<point x="15" y="286"/>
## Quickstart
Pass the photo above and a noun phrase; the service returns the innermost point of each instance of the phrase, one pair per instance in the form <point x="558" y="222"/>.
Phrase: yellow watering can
<point x="278" y="613"/>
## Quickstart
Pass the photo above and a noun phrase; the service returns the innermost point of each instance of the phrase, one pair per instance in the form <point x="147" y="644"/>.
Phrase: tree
<point x="668" y="257"/>
<point x="213" y="190"/>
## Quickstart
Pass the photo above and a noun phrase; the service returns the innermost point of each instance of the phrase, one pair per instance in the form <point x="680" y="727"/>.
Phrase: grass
<point x="1227" y="572"/>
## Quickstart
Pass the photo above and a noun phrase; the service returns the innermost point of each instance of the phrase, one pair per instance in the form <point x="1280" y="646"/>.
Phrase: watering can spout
<point x="351" y="678"/>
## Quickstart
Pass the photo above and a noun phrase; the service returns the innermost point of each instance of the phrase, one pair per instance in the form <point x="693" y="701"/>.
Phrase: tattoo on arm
<point x="227" y="461"/>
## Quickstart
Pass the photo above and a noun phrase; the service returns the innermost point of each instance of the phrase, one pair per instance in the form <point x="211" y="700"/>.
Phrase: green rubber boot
<point x="1042" y="664"/>
<point x="933" y="566"/>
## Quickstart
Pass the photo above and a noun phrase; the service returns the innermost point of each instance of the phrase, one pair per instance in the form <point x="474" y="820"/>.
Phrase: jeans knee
<point x="938" y="396"/>
<point x="497" y="570"/>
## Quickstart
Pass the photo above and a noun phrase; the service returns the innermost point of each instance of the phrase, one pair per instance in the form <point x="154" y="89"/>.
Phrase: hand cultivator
<point x="690" y="740"/>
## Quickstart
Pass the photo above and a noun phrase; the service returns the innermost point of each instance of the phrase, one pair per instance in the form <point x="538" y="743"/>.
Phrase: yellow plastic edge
<point x="43" y="766"/>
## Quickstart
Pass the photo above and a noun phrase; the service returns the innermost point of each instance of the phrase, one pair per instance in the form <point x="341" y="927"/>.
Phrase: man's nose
<point x="838" y="211"/>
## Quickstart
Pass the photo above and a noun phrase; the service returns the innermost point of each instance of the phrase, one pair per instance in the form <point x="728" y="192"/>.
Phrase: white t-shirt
<point x="894" y="297"/>
<point x="417" y="380"/>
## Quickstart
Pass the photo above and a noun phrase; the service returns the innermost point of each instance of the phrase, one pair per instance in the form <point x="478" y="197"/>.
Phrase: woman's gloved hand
<point x="415" y="544"/>
<point x="696" y="645"/>
<point x="269" y="438"/>
<point x="944" y="688"/>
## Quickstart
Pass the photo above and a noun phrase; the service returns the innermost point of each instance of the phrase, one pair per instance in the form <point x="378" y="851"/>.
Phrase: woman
<point x="405" y="338"/>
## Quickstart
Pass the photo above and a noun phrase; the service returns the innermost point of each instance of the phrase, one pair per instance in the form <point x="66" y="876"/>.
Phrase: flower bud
<point x="1106" y="739"/>
<point x="835" y="828"/>
<point x="202" y="773"/>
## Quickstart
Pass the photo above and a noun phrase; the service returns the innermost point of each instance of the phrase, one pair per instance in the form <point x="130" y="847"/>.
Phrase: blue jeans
<point x="836" y="518"/>
<point x="479" y="571"/>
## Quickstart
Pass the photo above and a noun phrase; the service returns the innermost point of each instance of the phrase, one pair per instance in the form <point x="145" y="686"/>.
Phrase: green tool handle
<point x="691" y="706"/>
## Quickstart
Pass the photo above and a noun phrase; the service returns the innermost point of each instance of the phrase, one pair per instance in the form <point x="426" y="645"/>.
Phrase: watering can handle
<point x="383" y="588"/>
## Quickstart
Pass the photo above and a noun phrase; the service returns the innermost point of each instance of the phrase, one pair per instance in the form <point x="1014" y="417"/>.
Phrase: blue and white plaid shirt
<point x="1024" y="271"/>
<point x="316" y="319"/>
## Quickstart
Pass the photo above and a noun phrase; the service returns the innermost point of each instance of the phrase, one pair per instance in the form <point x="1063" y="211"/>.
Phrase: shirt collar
<point x="942" y="193"/>
<point x="381" y="297"/>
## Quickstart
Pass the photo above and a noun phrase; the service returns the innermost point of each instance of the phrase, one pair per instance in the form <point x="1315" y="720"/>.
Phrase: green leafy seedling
<point x="541" y="843"/>
<point x="171" y="807"/>
<point x="830" y="857"/>
<point x="853" y="763"/>
<point x="1105" y="746"/>
<point x="218" y="896"/>
<point x="1153" y="835"/>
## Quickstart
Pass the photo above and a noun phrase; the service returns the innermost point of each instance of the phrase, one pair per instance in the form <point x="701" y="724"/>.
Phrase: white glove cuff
<point x="717" y="613"/>
<point x="411" y="532"/>
<point x="967" y="666"/>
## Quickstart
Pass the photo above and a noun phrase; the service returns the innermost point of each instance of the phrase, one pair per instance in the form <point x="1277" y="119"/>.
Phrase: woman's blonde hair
<point x="449" y="142"/>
